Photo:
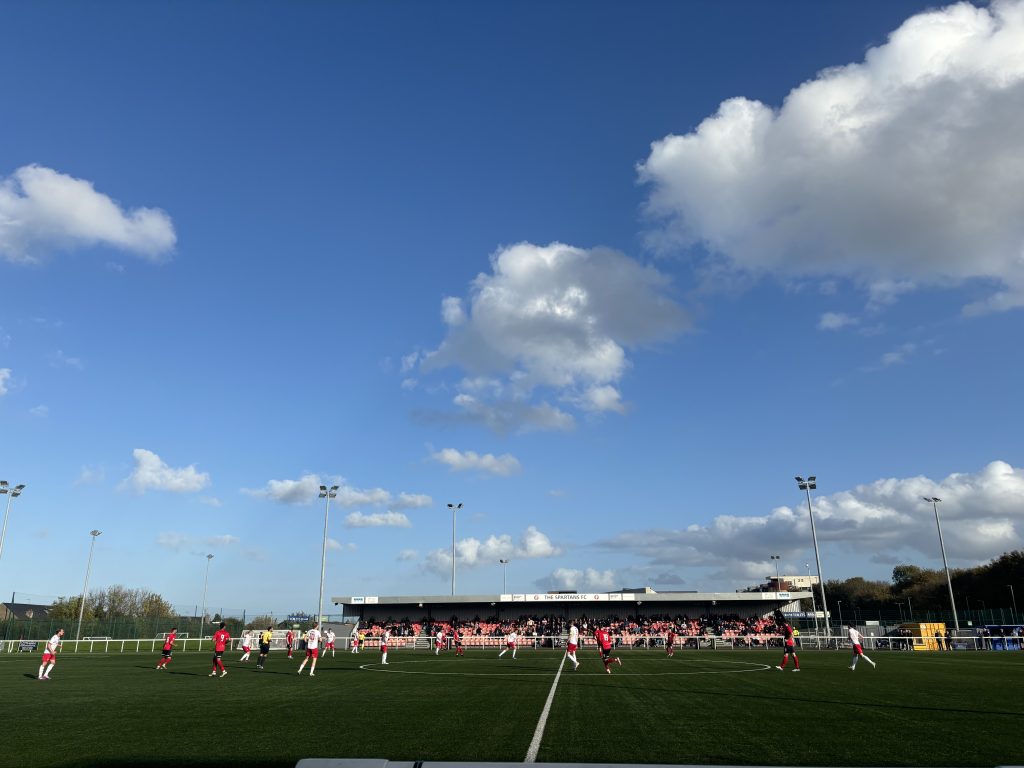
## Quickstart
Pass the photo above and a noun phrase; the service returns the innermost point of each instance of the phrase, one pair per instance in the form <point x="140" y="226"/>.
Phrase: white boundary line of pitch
<point x="538" y="733"/>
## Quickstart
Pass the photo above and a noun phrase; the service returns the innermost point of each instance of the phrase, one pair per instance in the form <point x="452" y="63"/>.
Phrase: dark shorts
<point x="789" y="649"/>
<point x="264" y="649"/>
<point x="217" y="654"/>
<point x="167" y="652"/>
<point x="606" y="652"/>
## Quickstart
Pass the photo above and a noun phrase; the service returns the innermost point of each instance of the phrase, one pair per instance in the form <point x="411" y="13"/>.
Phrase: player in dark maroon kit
<point x="604" y="644"/>
<point x="165" y="657"/>
<point x="670" y="643"/>
<point x="290" y="638"/>
<point x="789" y="643"/>
<point x="221" y="639"/>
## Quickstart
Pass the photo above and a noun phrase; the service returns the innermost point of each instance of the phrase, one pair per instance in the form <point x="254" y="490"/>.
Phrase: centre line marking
<point x="538" y="734"/>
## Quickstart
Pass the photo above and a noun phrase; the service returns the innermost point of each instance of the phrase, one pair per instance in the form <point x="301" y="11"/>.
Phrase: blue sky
<point x="608" y="274"/>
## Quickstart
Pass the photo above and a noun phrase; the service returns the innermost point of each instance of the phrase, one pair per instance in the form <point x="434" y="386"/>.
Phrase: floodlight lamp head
<point x="334" y="487"/>
<point x="17" y="490"/>
<point x="799" y="479"/>
<point x="209" y="557"/>
<point x="811" y="478"/>
<point x="3" y="483"/>
<point x="936" y="498"/>
<point x="323" y="488"/>
<point x="812" y="486"/>
<point x="94" y="533"/>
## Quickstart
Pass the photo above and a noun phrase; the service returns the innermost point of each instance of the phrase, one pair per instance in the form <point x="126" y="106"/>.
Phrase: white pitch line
<point x="538" y="734"/>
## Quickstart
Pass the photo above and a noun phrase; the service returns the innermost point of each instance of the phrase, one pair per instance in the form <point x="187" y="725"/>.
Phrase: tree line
<point x="984" y="587"/>
<point x="113" y="602"/>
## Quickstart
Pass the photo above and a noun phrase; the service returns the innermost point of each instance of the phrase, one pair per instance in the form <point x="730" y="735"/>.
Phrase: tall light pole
<point x="807" y="486"/>
<point x="81" y="609"/>
<point x="13" y="493"/>
<point x="814" y="602"/>
<point x="1013" y="600"/>
<point x="454" y="508"/>
<point x="202" y="616"/>
<point x="326" y="494"/>
<point x="934" y="501"/>
<point x="776" y="558"/>
<point x="504" y="573"/>
<point x="840" y="604"/>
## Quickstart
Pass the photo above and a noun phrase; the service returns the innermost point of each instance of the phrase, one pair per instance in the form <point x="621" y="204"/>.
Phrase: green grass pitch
<point x="719" y="707"/>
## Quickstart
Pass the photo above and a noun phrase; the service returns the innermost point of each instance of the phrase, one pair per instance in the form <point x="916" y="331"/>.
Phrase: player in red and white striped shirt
<point x="384" y="640"/>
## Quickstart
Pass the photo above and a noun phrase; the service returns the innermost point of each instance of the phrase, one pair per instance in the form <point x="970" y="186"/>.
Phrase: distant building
<point x="23" y="611"/>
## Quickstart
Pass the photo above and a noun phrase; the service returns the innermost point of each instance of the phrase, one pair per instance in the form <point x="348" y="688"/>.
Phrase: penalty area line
<point x="538" y="733"/>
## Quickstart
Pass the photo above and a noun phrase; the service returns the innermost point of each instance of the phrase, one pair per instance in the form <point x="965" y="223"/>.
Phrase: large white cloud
<point x="472" y="552"/>
<point x="581" y="580"/>
<point x="152" y="473"/>
<point x="307" y="489"/>
<point x="555" y="319"/>
<point x="465" y="461"/>
<point x="906" y="165"/>
<point x="42" y="209"/>
<point x="5" y="375"/>
<point x="377" y="520"/>
<point x="982" y="514"/>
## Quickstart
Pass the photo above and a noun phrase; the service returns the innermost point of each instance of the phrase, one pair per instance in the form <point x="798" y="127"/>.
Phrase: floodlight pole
<point x="814" y="602"/>
<point x="202" y="616"/>
<point x="504" y="574"/>
<point x="806" y="486"/>
<point x="1013" y="600"/>
<point x="326" y="494"/>
<point x="85" y="587"/>
<point x="776" y="558"/>
<point x="12" y="493"/>
<point x="934" y="501"/>
<point x="454" y="508"/>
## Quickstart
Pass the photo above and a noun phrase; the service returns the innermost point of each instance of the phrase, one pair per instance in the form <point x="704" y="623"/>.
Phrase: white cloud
<point x="459" y="461"/>
<point x="179" y="541"/>
<point x="5" y="376"/>
<point x="173" y="541"/>
<point x="898" y="355"/>
<point x="833" y="321"/>
<point x="90" y="475"/>
<point x="221" y="541"/>
<point x="211" y="501"/>
<point x="301" y="491"/>
<point x="43" y="210"/>
<point x="902" y="168"/>
<point x="377" y="520"/>
<point x="151" y="473"/>
<point x="585" y="580"/>
<point x="336" y="546"/>
<point x="407" y="554"/>
<point x="983" y="516"/>
<point x="412" y="501"/>
<point x="39" y="411"/>
<point x="307" y="489"/>
<point x="552" y="318"/>
<point x="60" y="360"/>
<point x="508" y="415"/>
<point x="472" y="552"/>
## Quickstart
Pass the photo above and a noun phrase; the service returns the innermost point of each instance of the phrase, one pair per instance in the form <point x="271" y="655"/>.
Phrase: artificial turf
<point x="713" y="707"/>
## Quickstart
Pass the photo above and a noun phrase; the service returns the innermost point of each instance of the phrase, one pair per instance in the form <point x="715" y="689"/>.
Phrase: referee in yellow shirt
<point x="265" y="638"/>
